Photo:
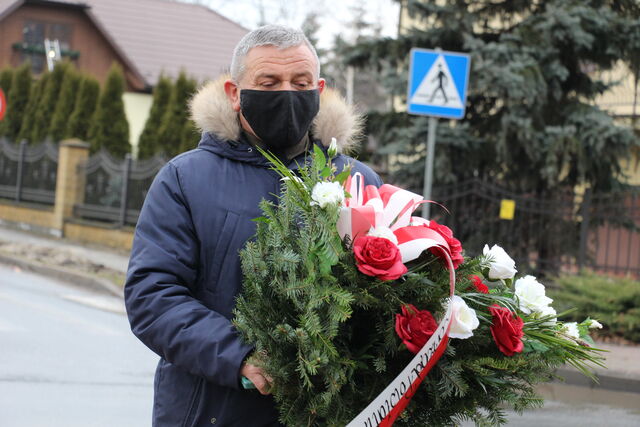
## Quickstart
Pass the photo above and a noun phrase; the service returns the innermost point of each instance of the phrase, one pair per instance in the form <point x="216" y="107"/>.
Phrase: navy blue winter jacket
<point x="184" y="275"/>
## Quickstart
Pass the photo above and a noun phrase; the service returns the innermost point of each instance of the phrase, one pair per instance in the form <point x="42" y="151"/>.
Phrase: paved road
<point x="66" y="363"/>
<point x="570" y="406"/>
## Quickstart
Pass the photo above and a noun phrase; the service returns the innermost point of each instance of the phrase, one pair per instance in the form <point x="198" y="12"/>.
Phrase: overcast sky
<point x="335" y="14"/>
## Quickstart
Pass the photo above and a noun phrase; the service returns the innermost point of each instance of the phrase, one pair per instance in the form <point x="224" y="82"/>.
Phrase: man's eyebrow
<point x="267" y="76"/>
<point x="276" y="76"/>
<point x="303" y="74"/>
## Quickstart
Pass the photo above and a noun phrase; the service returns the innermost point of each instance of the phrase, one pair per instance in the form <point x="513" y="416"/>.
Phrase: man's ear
<point x="233" y="94"/>
<point x="321" y="83"/>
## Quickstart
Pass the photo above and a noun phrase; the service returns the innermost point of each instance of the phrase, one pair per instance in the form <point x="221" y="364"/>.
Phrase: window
<point x="34" y="34"/>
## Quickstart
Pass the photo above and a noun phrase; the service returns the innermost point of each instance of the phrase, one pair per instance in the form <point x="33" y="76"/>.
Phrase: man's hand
<point x="257" y="376"/>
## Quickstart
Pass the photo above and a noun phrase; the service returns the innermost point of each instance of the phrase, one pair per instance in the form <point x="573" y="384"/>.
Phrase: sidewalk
<point x="98" y="268"/>
<point x="622" y="371"/>
<point x="74" y="263"/>
<point x="108" y="257"/>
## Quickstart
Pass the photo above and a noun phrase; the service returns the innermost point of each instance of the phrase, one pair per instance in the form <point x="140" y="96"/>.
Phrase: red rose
<point x="479" y="285"/>
<point x="454" y="244"/>
<point x="415" y="327"/>
<point x="378" y="257"/>
<point x="506" y="329"/>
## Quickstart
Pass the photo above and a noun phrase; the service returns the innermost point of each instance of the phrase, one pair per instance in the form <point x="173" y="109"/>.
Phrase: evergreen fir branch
<point x="452" y="383"/>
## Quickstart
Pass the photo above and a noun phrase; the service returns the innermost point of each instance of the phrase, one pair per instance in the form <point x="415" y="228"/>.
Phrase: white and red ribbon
<point x="392" y="207"/>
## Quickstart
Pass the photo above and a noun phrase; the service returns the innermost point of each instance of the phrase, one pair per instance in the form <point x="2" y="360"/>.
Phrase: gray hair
<point x="269" y="35"/>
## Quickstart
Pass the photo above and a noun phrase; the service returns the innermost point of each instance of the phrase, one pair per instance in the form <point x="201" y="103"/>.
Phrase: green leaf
<point x="342" y="176"/>
<point x="319" y="158"/>
<point x="534" y="346"/>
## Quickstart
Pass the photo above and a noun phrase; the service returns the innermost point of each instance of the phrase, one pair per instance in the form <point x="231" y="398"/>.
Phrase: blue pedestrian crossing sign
<point x="438" y="83"/>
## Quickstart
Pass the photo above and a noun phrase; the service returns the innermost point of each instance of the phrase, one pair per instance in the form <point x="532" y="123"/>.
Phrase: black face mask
<point x="280" y="118"/>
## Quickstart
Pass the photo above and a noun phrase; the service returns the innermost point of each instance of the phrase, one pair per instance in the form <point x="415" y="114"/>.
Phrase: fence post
<point x="20" y="172"/>
<point x="584" y="228"/>
<point x="69" y="182"/>
<point x="126" y="172"/>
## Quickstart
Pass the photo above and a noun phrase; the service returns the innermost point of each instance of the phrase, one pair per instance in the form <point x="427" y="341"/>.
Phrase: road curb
<point x="68" y="276"/>
<point x="607" y="380"/>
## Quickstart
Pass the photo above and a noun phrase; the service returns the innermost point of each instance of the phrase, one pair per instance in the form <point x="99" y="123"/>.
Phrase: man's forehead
<point x="297" y="59"/>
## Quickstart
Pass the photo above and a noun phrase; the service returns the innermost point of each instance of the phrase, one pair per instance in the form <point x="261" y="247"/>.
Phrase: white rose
<point x="384" y="232"/>
<point x="595" y="324"/>
<point x="548" y="311"/>
<point x="531" y="295"/>
<point x="464" y="319"/>
<point x="502" y="266"/>
<point x="571" y="329"/>
<point x="327" y="193"/>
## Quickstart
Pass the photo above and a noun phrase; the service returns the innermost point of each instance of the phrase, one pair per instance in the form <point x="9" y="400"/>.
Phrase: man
<point x="184" y="273"/>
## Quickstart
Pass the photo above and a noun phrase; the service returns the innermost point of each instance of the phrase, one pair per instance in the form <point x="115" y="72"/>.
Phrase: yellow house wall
<point x="618" y="102"/>
<point x="631" y="169"/>
<point x="619" y="99"/>
<point x="136" y="107"/>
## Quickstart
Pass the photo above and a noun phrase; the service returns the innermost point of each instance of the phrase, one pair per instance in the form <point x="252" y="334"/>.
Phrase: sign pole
<point x="428" y="166"/>
<point x="437" y="87"/>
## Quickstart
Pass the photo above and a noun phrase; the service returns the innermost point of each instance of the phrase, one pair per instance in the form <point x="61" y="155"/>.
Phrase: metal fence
<point x="611" y="228"/>
<point x="28" y="172"/>
<point x="115" y="189"/>
<point x="549" y="233"/>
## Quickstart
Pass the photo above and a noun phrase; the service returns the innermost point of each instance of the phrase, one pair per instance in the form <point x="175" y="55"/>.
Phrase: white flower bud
<point x="333" y="148"/>
<point x="594" y="324"/>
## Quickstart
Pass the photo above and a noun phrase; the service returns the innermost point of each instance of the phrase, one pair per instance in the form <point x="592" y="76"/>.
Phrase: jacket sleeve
<point x="159" y="297"/>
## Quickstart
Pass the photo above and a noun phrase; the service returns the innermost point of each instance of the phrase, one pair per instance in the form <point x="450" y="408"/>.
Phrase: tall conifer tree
<point x="110" y="129"/>
<point x="190" y="136"/>
<point x="6" y="76"/>
<point x="65" y="105"/>
<point x="85" y="107"/>
<point x="173" y="122"/>
<point x="48" y="102"/>
<point x="29" y="116"/>
<point x="17" y="100"/>
<point x="149" y="142"/>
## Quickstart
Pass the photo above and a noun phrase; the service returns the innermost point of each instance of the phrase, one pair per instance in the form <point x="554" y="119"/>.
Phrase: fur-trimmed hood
<point x="212" y="112"/>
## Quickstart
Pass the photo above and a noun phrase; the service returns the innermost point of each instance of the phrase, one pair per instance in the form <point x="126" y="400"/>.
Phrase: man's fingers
<point x="261" y="383"/>
<point x="259" y="379"/>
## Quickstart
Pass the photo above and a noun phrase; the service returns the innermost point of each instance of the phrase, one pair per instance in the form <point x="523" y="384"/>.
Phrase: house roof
<point x="156" y="36"/>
